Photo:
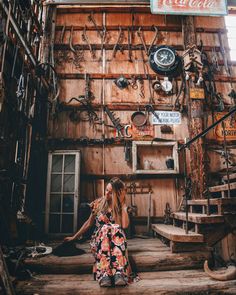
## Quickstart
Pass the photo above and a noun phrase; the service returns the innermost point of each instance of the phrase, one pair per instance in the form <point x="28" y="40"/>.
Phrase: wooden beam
<point x="177" y="47"/>
<point x="4" y="276"/>
<point x="195" y="107"/>
<point x="100" y="76"/>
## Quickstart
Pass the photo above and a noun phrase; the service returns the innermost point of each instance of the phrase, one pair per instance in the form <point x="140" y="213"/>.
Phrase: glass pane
<point x="57" y="163"/>
<point x="54" y="223"/>
<point x="68" y="203"/>
<point x="55" y="203"/>
<point x="56" y="183"/>
<point x="67" y="223"/>
<point x="69" y="183"/>
<point x="69" y="163"/>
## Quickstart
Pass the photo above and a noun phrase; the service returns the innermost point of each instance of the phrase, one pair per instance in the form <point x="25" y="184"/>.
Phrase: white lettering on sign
<point x="189" y="7"/>
<point x="166" y="118"/>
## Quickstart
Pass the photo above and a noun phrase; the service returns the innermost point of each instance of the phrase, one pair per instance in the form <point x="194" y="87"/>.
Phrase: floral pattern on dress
<point x="109" y="247"/>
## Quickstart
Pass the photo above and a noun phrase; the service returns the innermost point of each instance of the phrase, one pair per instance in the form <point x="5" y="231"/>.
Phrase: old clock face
<point x="164" y="57"/>
<point x="165" y="61"/>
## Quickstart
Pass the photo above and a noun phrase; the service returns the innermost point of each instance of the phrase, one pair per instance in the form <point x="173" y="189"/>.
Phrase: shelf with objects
<point x="155" y="157"/>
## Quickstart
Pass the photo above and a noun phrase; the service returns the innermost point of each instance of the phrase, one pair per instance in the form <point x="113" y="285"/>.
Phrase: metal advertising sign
<point x="230" y="128"/>
<point x="189" y="7"/>
<point x="166" y="118"/>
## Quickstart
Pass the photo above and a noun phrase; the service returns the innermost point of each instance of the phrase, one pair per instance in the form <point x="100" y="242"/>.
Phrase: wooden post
<point x="195" y="114"/>
<point x="4" y="276"/>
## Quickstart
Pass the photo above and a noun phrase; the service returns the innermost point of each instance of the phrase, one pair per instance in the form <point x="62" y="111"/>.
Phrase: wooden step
<point x="222" y="187"/>
<point x="198" y="218"/>
<point x="213" y="201"/>
<point x="177" y="234"/>
<point x="231" y="176"/>
<point x="144" y="254"/>
<point x="160" y="282"/>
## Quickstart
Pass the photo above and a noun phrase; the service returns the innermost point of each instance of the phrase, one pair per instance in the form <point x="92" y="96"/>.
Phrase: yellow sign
<point x="230" y="128"/>
<point x="197" y="93"/>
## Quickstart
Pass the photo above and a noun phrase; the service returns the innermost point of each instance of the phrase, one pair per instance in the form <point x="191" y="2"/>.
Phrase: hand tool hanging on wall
<point x="103" y="40"/>
<point x="20" y="92"/>
<point x="147" y="76"/>
<point x="115" y="121"/>
<point x="71" y="40"/>
<point x="92" y="20"/>
<point x="128" y="150"/>
<point x="118" y="43"/>
<point x="149" y="108"/>
<point x="129" y="45"/>
<point x="141" y="87"/>
<point x="61" y="54"/>
<point x="133" y="82"/>
<point x="141" y="37"/>
<point x="214" y="60"/>
<point x="179" y="101"/>
<point x="86" y="40"/>
<point x="154" y="39"/>
<point x="224" y="54"/>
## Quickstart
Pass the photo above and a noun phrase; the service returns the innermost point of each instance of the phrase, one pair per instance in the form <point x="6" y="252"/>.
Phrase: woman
<point x="108" y="243"/>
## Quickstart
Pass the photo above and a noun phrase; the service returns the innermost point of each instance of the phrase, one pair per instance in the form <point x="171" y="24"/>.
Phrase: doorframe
<point x="77" y="154"/>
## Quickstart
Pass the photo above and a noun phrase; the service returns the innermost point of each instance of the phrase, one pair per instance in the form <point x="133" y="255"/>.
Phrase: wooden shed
<point x="131" y="89"/>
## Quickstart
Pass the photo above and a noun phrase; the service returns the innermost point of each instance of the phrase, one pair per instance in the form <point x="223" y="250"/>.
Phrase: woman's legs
<point x="110" y="252"/>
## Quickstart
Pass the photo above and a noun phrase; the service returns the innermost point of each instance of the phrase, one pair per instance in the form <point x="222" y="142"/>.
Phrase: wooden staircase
<point x="208" y="221"/>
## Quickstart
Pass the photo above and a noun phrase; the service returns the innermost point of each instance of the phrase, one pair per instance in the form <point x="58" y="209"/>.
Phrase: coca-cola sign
<point x="189" y="7"/>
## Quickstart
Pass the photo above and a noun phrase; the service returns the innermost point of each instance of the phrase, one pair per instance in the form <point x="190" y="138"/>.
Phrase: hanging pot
<point x="139" y="118"/>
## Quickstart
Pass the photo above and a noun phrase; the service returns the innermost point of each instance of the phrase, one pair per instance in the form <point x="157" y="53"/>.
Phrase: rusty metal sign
<point x="197" y="93"/>
<point x="229" y="130"/>
<point x="189" y="7"/>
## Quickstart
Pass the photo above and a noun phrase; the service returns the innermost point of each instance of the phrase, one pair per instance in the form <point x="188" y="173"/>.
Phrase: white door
<point x="62" y="192"/>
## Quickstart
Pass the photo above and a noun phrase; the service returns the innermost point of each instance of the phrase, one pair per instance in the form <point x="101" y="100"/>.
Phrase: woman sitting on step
<point x="108" y="243"/>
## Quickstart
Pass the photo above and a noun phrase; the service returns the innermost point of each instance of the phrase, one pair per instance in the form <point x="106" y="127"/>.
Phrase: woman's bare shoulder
<point x="95" y="203"/>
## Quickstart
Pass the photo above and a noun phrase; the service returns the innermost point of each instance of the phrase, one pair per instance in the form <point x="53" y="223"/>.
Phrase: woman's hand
<point x="68" y="239"/>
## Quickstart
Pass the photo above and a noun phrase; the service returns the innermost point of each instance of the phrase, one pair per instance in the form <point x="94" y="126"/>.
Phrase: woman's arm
<point x="124" y="217"/>
<point x="124" y="212"/>
<point x="88" y="223"/>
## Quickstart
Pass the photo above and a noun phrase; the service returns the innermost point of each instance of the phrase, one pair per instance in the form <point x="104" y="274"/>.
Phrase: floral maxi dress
<point x="109" y="247"/>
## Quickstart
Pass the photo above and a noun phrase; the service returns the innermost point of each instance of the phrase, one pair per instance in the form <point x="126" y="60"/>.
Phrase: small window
<point x="230" y="22"/>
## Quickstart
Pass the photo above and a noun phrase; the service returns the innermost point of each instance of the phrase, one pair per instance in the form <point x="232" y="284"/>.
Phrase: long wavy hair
<point x="118" y="189"/>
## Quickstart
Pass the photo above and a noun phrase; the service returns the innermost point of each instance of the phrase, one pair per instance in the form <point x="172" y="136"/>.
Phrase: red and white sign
<point x="189" y="7"/>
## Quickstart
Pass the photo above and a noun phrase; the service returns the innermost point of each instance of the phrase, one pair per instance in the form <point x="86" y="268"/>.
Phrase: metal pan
<point x="139" y="118"/>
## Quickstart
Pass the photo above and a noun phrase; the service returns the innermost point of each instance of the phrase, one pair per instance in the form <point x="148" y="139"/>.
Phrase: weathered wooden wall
<point x="100" y="162"/>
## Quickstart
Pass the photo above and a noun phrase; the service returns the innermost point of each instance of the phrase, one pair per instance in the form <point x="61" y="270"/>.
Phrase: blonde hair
<point x="118" y="189"/>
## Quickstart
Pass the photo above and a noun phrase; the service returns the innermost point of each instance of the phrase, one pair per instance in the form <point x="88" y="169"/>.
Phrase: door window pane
<point x="55" y="203"/>
<point x="57" y="163"/>
<point x="68" y="203"/>
<point x="54" y="223"/>
<point x="69" y="163"/>
<point x="56" y="183"/>
<point x="69" y="183"/>
<point x="67" y="223"/>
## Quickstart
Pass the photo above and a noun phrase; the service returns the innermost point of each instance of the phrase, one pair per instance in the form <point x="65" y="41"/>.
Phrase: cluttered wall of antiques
<point x="92" y="93"/>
